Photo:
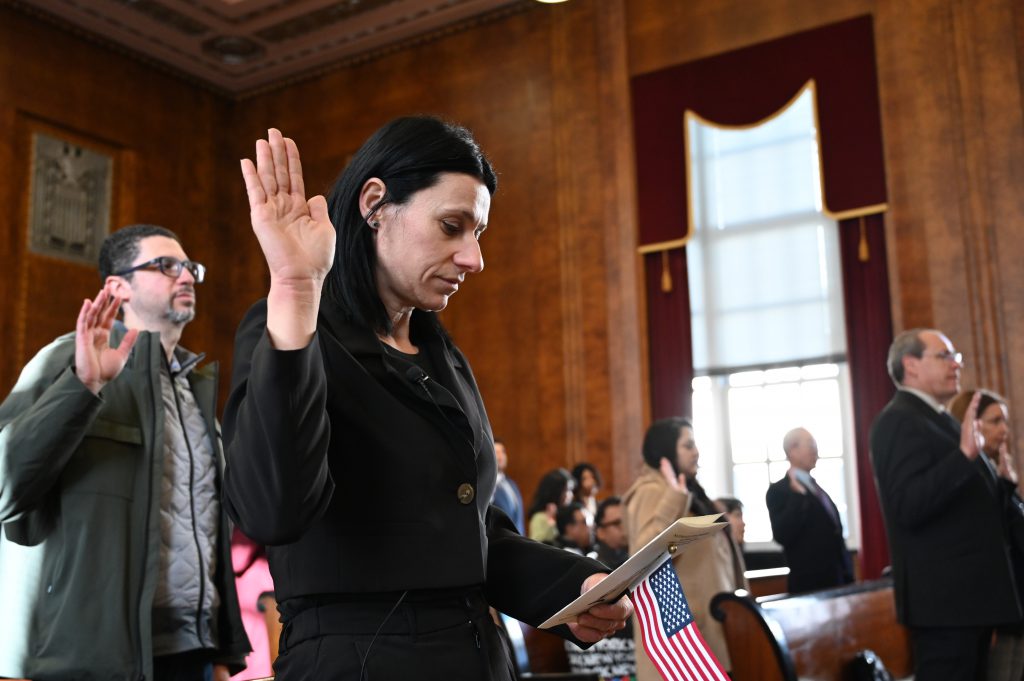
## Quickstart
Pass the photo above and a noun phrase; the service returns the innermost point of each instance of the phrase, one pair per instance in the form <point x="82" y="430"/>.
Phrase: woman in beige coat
<point x="666" y="490"/>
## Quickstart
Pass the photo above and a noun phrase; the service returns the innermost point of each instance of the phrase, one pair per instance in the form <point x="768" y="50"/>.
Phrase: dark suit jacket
<point x="946" y="521"/>
<point x="349" y="467"/>
<point x="811" y="540"/>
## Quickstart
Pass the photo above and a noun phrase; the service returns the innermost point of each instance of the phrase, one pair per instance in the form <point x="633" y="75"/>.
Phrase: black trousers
<point x="194" y="665"/>
<point x="448" y="638"/>
<point x="950" y="653"/>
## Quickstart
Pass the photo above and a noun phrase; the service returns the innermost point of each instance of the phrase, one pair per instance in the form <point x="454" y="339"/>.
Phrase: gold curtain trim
<point x="861" y="212"/>
<point x="666" y="274"/>
<point x="662" y="246"/>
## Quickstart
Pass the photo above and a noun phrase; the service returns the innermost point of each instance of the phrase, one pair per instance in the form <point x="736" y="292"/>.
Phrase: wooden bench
<point x="539" y="654"/>
<point x="814" y="636"/>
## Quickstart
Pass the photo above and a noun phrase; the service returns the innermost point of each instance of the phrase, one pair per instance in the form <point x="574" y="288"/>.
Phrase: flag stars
<point x="670" y="633"/>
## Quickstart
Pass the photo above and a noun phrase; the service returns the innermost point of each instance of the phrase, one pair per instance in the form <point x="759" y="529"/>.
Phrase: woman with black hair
<point x="1006" y="656"/>
<point x="553" y="492"/>
<point x="357" y="442"/>
<point x="667" y="490"/>
<point x="588" y="483"/>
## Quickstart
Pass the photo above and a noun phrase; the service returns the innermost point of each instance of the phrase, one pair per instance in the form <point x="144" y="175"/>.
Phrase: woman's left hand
<point x="602" y="620"/>
<point x="1007" y="470"/>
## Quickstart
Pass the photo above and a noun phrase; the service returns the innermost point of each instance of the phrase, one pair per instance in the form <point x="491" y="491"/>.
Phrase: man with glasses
<point x="613" y="658"/>
<point x="612" y="547"/>
<point x="115" y="558"/>
<point x="944" y="514"/>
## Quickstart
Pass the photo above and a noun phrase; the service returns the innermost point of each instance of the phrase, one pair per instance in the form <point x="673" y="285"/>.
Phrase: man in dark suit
<point x="806" y="522"/>
<point x="943" y="515"/>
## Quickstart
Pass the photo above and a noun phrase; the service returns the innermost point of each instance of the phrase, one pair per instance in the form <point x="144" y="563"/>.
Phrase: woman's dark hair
<point x="958" y="406"/>
<point x="661" y="440"/>
<point x="577" y="475"/>
<point x="550" y="490"/>
<point x="408" y="154"/>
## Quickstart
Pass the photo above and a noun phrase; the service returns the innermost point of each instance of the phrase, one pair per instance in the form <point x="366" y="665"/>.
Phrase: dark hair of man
<point x="408" y="154"/>
<point x="550" y="490"/>
<point x="577" y="474"/>
<point x="661" y="440"/>
<point x="907" y="343"/>
<point x="120" y="249"/>
<point x="566" y="516"/>
<point x="602" y="509"/>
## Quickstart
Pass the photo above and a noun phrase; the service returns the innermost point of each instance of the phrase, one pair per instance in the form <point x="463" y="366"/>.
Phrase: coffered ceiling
<point x="241" y="46"/>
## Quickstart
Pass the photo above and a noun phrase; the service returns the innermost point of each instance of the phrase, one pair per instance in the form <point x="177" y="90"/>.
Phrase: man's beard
<point x="180" y="316"/>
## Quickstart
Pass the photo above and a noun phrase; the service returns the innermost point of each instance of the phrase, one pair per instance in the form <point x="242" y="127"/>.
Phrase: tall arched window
<point x="766" y="309"/>
<point x="740" y="88"/>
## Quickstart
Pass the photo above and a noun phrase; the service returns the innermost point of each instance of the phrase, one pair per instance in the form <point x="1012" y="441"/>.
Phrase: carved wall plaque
<point x="69" y="210"/>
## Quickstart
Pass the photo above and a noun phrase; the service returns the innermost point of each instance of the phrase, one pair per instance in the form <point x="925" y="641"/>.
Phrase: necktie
<point x="826" y="501"/>
<point x="950" y="421"/>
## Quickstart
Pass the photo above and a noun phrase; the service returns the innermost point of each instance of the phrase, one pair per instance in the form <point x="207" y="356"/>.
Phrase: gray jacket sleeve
<point x="42" y="423"/>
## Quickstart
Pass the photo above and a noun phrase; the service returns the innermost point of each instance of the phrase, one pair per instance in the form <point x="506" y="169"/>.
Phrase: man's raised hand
<point x="96" y="363"/>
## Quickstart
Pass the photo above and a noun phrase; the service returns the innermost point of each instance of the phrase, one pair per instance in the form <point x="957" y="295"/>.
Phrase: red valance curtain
<point x="743" y="87"/>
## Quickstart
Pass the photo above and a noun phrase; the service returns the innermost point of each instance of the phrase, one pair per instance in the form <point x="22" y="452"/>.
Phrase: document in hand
<point x="675" y="538"/>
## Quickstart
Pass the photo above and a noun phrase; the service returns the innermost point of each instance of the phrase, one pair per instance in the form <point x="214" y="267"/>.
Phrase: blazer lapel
<point x="446" y="391"/>
<point x="949" y="426"/>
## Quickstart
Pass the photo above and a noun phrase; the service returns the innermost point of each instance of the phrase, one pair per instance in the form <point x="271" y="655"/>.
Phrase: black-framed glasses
<point x="170" y="266"/>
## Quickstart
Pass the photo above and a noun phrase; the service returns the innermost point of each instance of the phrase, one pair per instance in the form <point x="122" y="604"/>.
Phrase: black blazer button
<point x="466" y="493"/>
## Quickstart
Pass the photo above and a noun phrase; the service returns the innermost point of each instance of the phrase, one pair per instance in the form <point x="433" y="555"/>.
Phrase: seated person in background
<point x="612" y="547"/>
<point x="1006" y="657"/>
<point x="252" y="579"/>
<point x="506" y="492"/>
<point x="588" y="482"/>
<point x="553" y="491"/>
<point x="806" y="522"/>
<point x="575" y="531"/>
<point x="733" y="509"/>
<point x="613" y="658"/>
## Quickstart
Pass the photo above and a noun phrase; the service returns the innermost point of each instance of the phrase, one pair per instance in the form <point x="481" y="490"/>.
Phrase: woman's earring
<point x="375" y="225"/>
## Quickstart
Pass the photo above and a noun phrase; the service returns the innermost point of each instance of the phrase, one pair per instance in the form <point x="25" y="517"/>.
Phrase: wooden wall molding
<point x="954" y="145"/>
<point x="603" y="360"/>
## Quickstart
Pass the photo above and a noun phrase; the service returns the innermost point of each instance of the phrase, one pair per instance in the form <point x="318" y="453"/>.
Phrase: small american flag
<point x="670" y="635"/>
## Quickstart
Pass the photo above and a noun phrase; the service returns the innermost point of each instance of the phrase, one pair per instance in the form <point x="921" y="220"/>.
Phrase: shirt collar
<point x="926" y="398"/>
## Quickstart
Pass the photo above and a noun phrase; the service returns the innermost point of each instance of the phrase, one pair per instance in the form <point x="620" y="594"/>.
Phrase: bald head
<point x="801" y="449"/>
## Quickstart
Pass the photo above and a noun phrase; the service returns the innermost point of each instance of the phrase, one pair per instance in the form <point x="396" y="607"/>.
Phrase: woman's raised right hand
<point x="296" y="235"/>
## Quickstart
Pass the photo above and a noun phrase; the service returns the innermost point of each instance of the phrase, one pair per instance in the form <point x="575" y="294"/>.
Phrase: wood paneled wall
<point x="162" y="134"/>
<point x="555" y="325"/>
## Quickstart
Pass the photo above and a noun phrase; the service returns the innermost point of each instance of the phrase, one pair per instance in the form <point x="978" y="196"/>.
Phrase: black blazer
<point x="811" y="540"/>
<point x="946" y="521"/>
<point x="349" y="467"/>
